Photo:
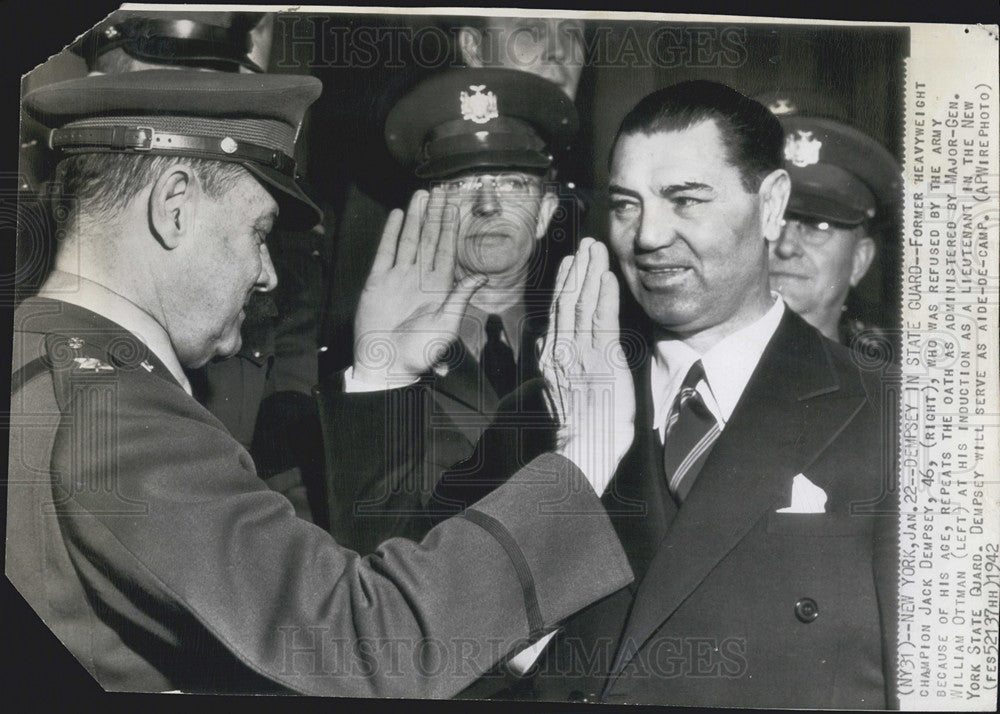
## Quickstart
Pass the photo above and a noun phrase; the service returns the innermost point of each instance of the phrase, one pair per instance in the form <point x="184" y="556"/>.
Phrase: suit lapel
<point x="464" y="382"/>
<point x="791" y="409"/>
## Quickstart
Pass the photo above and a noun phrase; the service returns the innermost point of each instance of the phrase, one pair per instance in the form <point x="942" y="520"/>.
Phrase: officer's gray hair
<point x="99" y="184"/>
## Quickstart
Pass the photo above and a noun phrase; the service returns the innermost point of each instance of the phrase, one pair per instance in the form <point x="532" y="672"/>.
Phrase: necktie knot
<point x="494" y="327"/>
<point x="695" y="374"/>
<point x="688" y="395"/>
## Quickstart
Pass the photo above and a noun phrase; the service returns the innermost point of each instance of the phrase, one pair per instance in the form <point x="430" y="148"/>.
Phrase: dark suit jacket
<point x="140" y="533"/>
<point x="719" y="614"/>
<point x="721" y="610"/>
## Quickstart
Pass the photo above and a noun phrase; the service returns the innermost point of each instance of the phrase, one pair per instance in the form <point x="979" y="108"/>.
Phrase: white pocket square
<point x="807" y="497"/>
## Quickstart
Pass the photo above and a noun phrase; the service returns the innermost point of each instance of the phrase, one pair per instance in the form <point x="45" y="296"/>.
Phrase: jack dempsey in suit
<point x="138" y="529"/>
<point x="755" y="502"/>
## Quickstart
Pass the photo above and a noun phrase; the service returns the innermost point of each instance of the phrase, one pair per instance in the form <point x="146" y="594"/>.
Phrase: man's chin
<point x="227" y="347"/>
<point x="792" y="297"/>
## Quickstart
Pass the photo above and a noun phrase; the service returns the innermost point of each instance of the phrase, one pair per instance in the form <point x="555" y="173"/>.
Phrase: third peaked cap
<point x="838" y="172"/>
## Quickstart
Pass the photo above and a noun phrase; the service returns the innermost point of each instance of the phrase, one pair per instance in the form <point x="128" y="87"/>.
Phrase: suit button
<point x="806" y="610"/>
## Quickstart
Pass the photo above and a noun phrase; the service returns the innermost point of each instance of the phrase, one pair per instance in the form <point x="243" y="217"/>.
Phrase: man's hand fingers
<point x="409" y="239"/>
<point x="606" y="314"/>
<point x="385" y="256"/>
<point x="458" y="300"/>
<point x="550" y="331"/>
<point x="570" y="293"/>
<point x="564" y="267"/>
<point x="586" y="303"/>
<point x="444" y="259"/>
<point x="430" y="230"/>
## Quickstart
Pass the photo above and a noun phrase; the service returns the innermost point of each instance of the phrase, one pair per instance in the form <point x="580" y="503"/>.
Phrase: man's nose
<point x="656" y="229"/>
<point x="486" y="200"/>
<point x="554" y="42"/>
<point x="789" y="243"/>
<point x="268" y="278"/>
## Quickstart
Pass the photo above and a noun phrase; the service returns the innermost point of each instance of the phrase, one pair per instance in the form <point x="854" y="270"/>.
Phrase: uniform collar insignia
<point x="802" y="149"/>
<point x="478" y="107"/>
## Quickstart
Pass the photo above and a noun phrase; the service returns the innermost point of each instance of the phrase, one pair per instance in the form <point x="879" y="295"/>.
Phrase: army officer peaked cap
<point x="247" y="119"/>
<point x="480" y="118"/>
<point x="838" y="172"/>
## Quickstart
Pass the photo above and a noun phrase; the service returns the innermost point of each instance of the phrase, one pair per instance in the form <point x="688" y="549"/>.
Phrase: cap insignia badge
<point x="781" y="106"/>
<point x="802" y="150"/>
<point x="92" y="364"/>
<point x="478" y="107"/>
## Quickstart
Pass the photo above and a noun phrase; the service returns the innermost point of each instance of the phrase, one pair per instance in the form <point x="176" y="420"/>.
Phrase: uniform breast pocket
<point x="818" y="525"/>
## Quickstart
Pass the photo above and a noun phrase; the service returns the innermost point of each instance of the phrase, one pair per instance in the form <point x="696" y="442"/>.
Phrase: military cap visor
<point x="184" y="41"/>
<point x="838" y="173"/>
<point x="248" y="119"/>
<point x="486" y="118"/>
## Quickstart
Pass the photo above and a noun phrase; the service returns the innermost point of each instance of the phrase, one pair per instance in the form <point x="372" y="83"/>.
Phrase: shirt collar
<point x="95" y="297"/>
<point x="728" y="367"/>
<point x="472" y="330"/>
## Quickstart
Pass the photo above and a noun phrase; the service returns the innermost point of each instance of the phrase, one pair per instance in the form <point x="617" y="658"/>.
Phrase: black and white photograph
<point x="537" y="356"/>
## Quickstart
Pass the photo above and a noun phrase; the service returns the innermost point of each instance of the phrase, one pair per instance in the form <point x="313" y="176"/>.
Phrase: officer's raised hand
<point x="411" y="307"/>
<point x="588" y="381"/>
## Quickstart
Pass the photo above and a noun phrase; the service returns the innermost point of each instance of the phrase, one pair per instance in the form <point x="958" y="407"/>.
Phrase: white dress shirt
<point x="95" y="297"/>
<point x="728" y="367"/>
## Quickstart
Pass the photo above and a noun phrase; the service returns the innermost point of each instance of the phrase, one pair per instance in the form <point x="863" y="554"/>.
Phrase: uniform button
<point x="256" y="354"/>
<point x="806" y="610"/>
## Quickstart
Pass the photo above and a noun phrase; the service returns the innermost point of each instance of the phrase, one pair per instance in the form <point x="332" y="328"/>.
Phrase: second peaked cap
<point x="473" y="118"/>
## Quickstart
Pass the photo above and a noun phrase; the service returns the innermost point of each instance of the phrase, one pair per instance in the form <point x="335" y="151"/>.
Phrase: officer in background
<point x="486" y="139"/>
<point x="262" y="394"/>
<point x="550" y="48"/>
<point x="845" y="197"/>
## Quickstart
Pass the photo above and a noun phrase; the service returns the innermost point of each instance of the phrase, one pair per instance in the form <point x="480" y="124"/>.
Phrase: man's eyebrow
<point x="686" y="186"/>
<point x="615" y="188"/>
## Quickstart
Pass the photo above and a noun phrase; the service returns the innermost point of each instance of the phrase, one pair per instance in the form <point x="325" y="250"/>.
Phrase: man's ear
<point x="774" y="192"/>
<point x="470" y="46"/>
<point x="861" y="259"/>
<point x="173" y="204"/>
<point x="550" y="201"/>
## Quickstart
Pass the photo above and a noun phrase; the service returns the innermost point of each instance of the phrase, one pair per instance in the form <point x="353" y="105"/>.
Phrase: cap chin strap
<point x="141" y="139"/>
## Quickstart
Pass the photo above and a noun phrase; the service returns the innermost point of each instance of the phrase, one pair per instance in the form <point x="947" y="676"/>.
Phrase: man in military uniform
<point x="845" y="193"/>
<point x="137" y="527"/>
<point x="485" y="137"/>
<point x="550" y="48"/>
<point x="261" y="394"/>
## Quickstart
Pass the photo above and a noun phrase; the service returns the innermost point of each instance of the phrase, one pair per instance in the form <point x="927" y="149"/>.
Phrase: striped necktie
<point x="690" y="432"/>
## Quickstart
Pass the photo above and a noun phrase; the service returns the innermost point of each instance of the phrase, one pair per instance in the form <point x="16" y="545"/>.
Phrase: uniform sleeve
<point x="202" y="538"/>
